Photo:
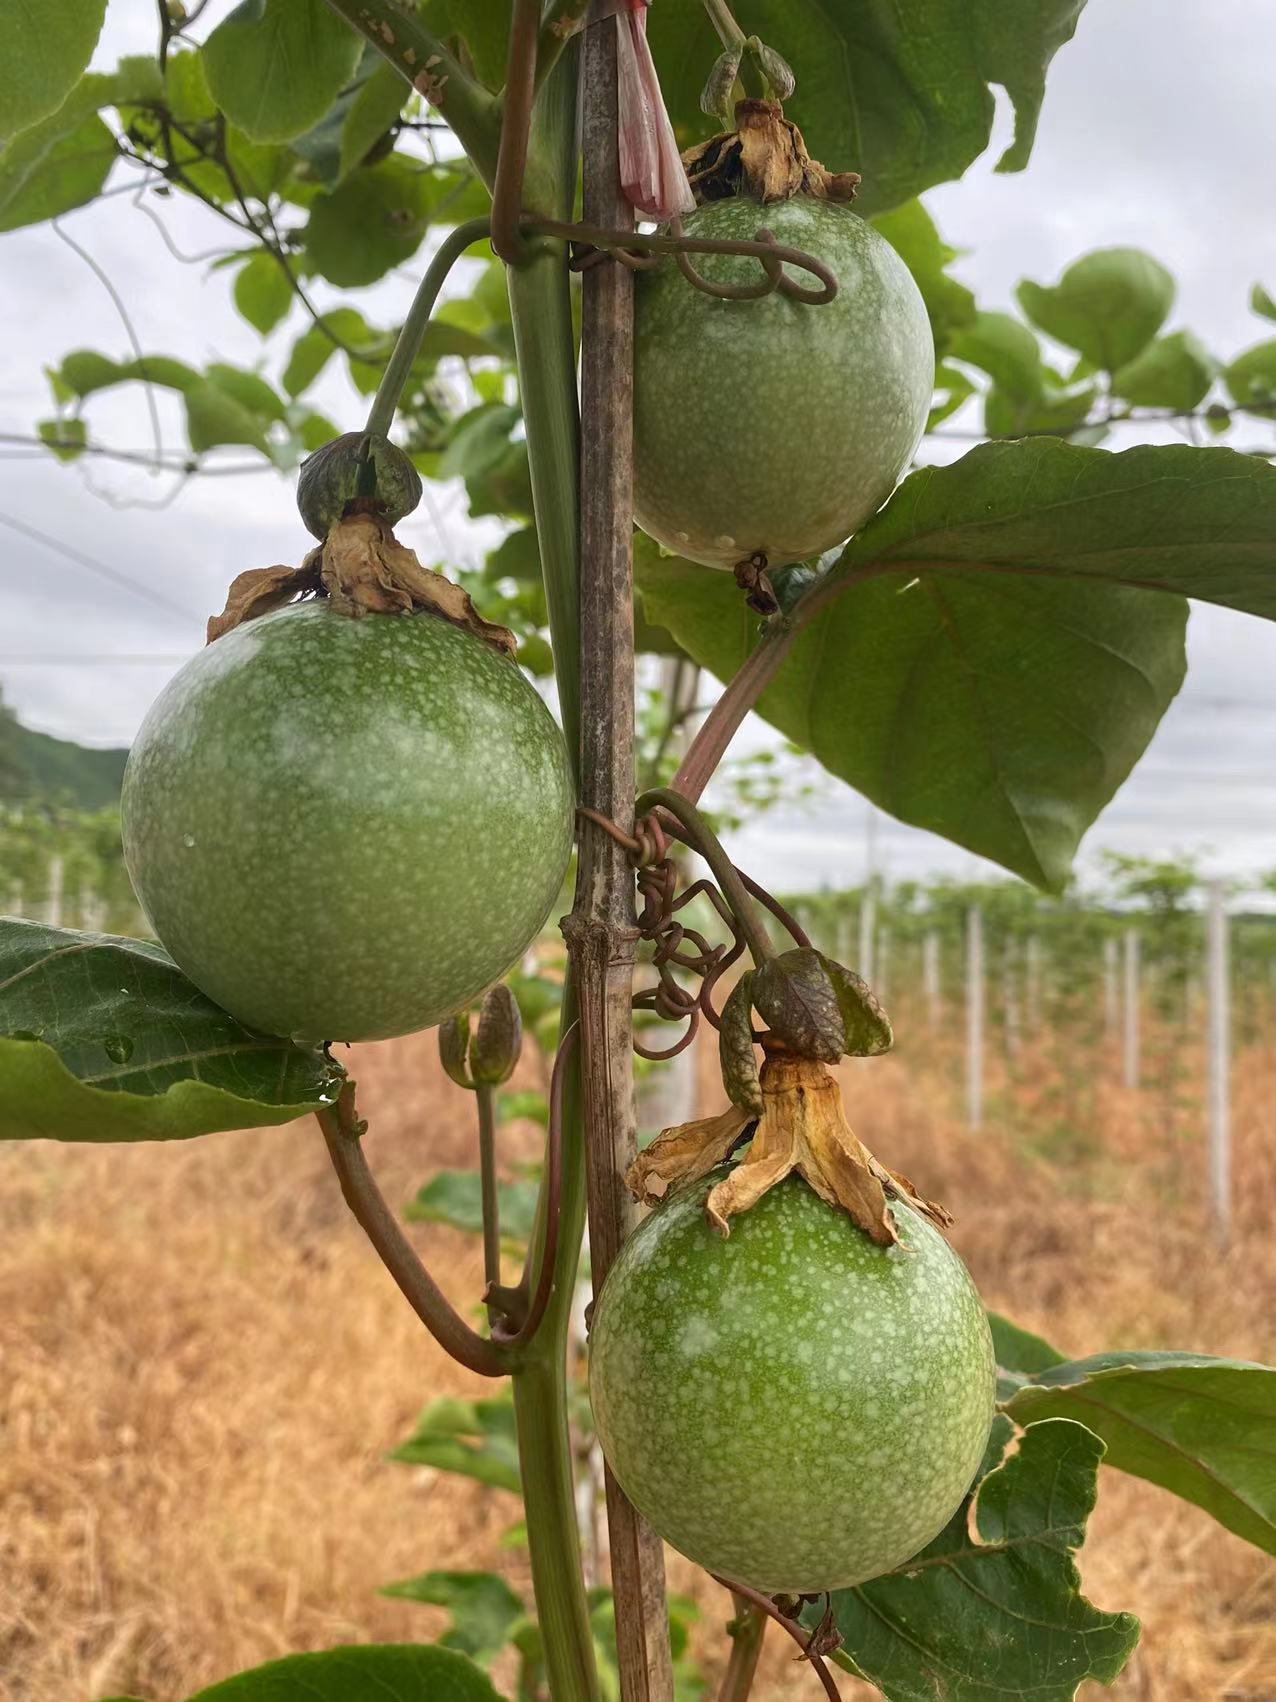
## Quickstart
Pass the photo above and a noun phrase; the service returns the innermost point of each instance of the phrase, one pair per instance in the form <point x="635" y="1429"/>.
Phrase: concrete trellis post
<point x="882" y="966"/>
<point x="975" y="999"/>
<point x="868" y="933"/>
<point x="1219" y="1031"/>
<point x="53" y="908"/>
<point x="1130" y="1008"/>
<point x="1032" y="984"/>
<point x="1010" y="996"/>
<point x="1111" y="989"/>
<point x="931" y="978"/>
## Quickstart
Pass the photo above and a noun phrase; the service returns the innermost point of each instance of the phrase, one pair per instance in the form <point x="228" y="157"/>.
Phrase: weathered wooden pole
<point x="601" y="930"/>
<point x="1220" y="1049"/>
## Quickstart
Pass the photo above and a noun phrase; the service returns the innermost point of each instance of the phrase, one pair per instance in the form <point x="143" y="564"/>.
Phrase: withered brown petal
<point x="893" y="1182"/>
<point x="682" y="1153"/>
<point x="771" y="1156"/>
<point x="261" y="589"/>
<point x="366" y="570"/>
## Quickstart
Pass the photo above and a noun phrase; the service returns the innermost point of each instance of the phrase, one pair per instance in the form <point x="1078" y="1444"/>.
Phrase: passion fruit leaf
<point x="1200" y="1427"/>
<point x="1173" y="372"/>
<point x="85" y="371"/>
<point x="245" y="53"/>
<point x="1018" y="1351"/>
<point x="316" y="346"/>
<point x="999" y="712"/>
<point x="104" y="1039"/>
<point x="470" y="1438"/>
<point x="483" y="1608"/>
<point x="1004" y="1614"/>
<point x="1050" y="413"/>
<point x="454" y="1197"/>
<point x="214" y="416"/>
<point x="1109" y="305"/>
<point x="262" y="292"/>
<point x="897" y="89"/>
<point x="59" y="163"/>
<point x="375" y="107"/>
<point x="371" y="224"/>
<point x="911" y="232"/>
<point x="1261" y="302"/>
<point x="392" y="1672"/>
<point x="1251" y="379"/>
<point x="1006" y="350"/>
<point x="41" y="66"/>
<point x="483" y="25"/>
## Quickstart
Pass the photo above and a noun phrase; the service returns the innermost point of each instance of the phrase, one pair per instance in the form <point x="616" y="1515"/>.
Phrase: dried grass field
<point x="202" y="1368"/>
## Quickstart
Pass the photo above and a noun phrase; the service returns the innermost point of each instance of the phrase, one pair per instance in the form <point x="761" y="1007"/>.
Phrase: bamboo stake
<point x="601" y="931"/>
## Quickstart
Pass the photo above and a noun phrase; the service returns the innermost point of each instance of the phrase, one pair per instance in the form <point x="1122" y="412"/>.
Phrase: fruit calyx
<point x="802" y="1128"/>
<point x="765" y="159"/>
<point x="358" y="472"/>
<point x="362" y="569"/>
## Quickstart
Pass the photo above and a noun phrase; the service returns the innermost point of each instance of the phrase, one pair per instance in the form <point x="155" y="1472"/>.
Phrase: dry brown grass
<point x="202" y="1366"/>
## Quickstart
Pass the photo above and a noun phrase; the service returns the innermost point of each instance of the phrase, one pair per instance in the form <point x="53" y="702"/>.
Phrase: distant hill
<point x="56" y="771"/>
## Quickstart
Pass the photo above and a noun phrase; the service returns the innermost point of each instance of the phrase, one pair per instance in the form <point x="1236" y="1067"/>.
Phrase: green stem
<point x="748" y="1629"/>
<point x="484" y="1098"/>
<point x="408" y="346"/>
<point x="701" y="838"/>
<point x="540" y="306"/>
<point x="544" y="1436"/>
<point x="397" y="33"/>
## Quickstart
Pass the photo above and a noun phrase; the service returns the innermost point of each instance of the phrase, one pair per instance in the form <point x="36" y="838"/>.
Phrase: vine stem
<point x="803" y="1639"/>
<point x="697" y="833"/>
<point x="748" y="1631"/>
<point x="484" y="1104"/>
<point x="722" y="723"/>
<point x="408" y="344"/>
<point x="343" y="1132"/>
<point x="421" y="57"/>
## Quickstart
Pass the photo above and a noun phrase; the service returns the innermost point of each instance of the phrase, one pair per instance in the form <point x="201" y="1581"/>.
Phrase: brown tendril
<point x="804" y="1640"/>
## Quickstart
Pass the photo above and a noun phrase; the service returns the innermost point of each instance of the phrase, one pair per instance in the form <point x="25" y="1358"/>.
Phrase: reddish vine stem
<point x="343" y="1131"/>
<point x="723" y="721"/>
<point x="801" y="1637"/>
<point x="516" y="123"/>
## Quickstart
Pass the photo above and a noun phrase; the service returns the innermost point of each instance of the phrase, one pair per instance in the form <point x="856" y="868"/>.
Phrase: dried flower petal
<point x="681" y="1154"/>
<point x="652" y="174"/>
<point x="261" y="589"/>
<point x="765" y="158"/>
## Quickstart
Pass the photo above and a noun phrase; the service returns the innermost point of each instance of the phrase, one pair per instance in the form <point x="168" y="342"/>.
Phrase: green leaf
<point x="104" y="1039"/>
<point x="390" y="1672"/>
<point x="453" y="1197"/>
<point x="911" y="232"/>
<point x="1053" y="413"/>
<point x="263" y="294"/>
<point x="997" y="711"/>
<point x="59" y="163"/>
<point x="471" y="1438"/>
<point x="1019" y="1351"/>
<point x="275" y="66"/>
<point x="1251" y="380"/>
<point x="1007" y="351"/>
<point x="484" y="1609"/>
<point x="1003" y="1615"/>
<point x="246" y="388"/>
<point x="65" y="437"/>
<point x="1261" y="302"/>
<point x="897" y="89"/>
<point x="483" y="25"/>
<point x="214" y="417"/>
<point x="375" y="107"/>
<point x="85" y="371"/>
<point x="371" y="224"/>
<point x="43" y="60"/>
<point x="138" y="80"/>
<point x="952" y="388"/>
<point x="1173" y="372"/>
<point x="1109" y="305"/>
<point x="1164" y="517"/>
<point x="315" y="347"/>
<point x="1203" y="1428"/>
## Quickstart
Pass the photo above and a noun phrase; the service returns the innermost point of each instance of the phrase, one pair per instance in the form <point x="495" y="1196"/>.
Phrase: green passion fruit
<point x="794" y="1407"/>
<point x="773" y="427"/>
<point x="346" y="829"/>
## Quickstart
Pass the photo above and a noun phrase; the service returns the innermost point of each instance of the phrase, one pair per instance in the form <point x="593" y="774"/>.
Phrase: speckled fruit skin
<point x="793" y="1407"/>
<point x="346" y="829"/>
<point x="772" y="425"/>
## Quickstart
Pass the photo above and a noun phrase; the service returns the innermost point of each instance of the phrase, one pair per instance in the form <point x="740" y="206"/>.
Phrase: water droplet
<point x="188" y="840"/>
<point x="119" y="1048"/>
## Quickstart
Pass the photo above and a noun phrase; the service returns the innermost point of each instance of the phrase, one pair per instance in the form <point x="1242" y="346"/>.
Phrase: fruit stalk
<point x="601" y="931"/>
<point x="395" y="376"/>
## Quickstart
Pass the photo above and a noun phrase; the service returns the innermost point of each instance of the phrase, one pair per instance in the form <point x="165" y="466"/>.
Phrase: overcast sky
<point x="1159" y="131"/>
